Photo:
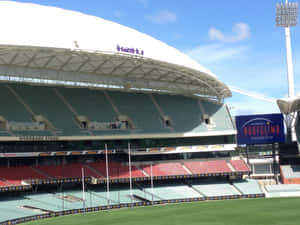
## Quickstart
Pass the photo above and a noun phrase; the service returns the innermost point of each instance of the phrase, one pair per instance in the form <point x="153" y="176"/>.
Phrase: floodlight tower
<point x="287" y="16"/>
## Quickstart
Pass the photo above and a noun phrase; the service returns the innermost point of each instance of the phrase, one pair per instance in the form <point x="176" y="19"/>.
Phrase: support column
<point x="275" y="171"/>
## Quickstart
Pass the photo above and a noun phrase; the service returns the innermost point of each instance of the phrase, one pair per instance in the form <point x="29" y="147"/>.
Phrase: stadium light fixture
<point x="287" y="16"/>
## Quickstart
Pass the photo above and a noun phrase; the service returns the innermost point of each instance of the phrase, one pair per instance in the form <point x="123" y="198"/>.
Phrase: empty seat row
<point x="248" y="186"/>
<point x="115" y="170"/>
<point x="218" y="166"/>
<point x="32" y="203"/>
<point x="215" y="189"/>
<point x="283" y="188"/>
<point x="239" y="165"/>
<point x="290" y="171"/>
<point x="165" y="169"/>
<point x="66" y="170"/>
<point x="15" y="175"/>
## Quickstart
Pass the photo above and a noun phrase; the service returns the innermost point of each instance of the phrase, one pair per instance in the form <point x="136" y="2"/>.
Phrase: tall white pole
<point x="107" y="176"/>
<point x="290" y="73"/>
<point x="152" y="183"/>
<point x="83" y="192"/>
<point x="62" y="187"/>
<point x="91" y="204"/>
<point x="289" y="62"/>
<point x="286" y="16"/>
<point x="291" y="87"/>
<point x="129" y="165"/>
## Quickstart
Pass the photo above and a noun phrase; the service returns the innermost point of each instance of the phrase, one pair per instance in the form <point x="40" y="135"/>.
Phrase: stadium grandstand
<point x="96" y="115"/>
<point x="289" y="153"/>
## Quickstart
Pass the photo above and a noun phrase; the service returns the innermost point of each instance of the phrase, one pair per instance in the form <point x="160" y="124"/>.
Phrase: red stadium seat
<point x="66" y="170"/>
<point x="239" y="165"/>
<point x="15" y="175"/>
<point x="165" y="169"/>
<point x="4" y="184"/>
<point x="116" y="169"/>
<point x="203" y="167"/>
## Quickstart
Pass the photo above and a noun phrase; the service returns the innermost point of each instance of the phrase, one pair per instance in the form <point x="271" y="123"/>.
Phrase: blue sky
<point x="235" y="39"/>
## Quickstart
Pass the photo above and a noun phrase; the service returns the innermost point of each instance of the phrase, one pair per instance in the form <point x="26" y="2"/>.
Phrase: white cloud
<point x="162" y="17"/>
<point x="250" y="68"/>
<point x="215" y="53"/>
<point x="241" y="30"/>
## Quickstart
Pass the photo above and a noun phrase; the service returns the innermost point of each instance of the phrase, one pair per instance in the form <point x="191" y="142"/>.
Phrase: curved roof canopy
<point x="56" y="44"/>
<point x="289" y="105"/>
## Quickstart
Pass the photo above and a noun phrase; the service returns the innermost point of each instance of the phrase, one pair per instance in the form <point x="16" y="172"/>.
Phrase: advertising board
<point x="260" y="129"/>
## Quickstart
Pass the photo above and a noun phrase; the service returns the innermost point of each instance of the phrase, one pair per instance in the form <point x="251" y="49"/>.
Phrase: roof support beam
<point x="82" y="64"/>
<point x="118" y="66"/>
<point x="165" y="75"/>
<point x="100" y="65"/>
<point x="66" y="62"/>
<point x="48" y="61"/>
<point x="2" y="60"/>
<point x="13" y="59"/>
<point x="32" y="59"/>
<point x="149" y="72"/>
<point x="133" y="69"/>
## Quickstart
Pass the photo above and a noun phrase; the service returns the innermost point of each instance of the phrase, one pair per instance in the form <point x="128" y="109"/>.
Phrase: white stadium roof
<point x="48" y="43"/>
<point x="289" y="105"/>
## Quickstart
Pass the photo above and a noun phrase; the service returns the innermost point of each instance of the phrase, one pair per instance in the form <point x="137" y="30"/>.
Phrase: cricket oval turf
<point x="279" y="211"/>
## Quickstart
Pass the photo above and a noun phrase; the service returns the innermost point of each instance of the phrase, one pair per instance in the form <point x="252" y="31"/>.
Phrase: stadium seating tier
<point x="116" y="170"/>
<point x="15" y="175"/>
<point x="248" y="186"/>
<point x="61" y="105"/>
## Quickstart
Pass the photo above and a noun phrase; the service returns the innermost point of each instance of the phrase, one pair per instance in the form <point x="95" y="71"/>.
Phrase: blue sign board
<point x="260" y="129"/>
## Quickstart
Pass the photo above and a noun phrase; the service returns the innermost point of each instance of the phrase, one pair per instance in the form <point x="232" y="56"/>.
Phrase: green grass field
<point x="283" y="211"/>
